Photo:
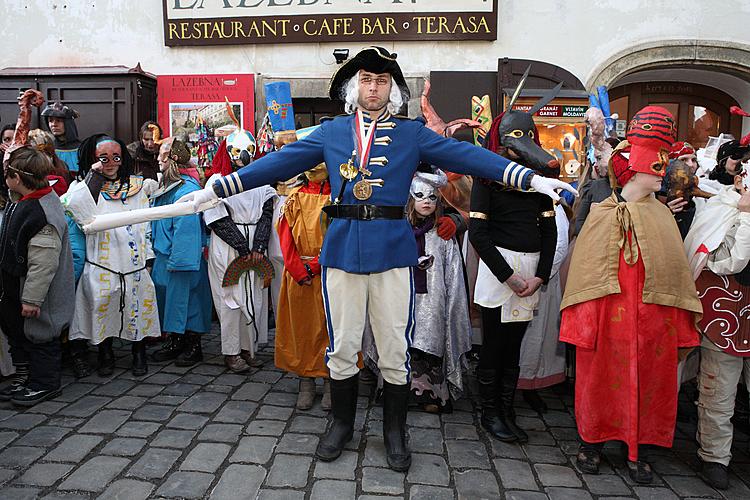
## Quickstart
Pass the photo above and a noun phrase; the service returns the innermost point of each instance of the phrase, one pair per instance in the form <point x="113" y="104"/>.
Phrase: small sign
<point x="555" y="110"/>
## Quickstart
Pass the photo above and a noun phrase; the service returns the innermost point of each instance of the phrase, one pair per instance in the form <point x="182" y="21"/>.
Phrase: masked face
<point x="241" y="147"/>
<point x="109" y="154"/>
<point x="425" y="197"/>
<point x="164" y="155"/>
<point x="517" y="134"/>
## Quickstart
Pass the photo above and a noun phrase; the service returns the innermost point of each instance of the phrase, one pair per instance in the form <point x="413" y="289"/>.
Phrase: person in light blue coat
<point x="180" y="271"/>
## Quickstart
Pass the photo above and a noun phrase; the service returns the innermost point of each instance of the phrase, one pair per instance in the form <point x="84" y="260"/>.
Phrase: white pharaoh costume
<point x="115" y="295"/>
<point x="242" y="308"/>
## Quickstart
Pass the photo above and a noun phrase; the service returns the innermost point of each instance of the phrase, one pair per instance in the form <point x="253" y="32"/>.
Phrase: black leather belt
<point x="364" y="212"/>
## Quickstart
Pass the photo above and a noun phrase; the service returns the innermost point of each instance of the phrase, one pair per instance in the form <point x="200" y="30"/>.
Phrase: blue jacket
<point x="401" y="144"/>
<point x="180" y="239"/>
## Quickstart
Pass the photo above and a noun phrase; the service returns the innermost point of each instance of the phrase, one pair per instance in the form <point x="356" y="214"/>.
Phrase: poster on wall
<point x="226" y="22"/>
<point x="193" y="108"/>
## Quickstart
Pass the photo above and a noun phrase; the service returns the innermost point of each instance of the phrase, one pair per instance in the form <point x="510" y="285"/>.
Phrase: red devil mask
<point x="651" y="133"/>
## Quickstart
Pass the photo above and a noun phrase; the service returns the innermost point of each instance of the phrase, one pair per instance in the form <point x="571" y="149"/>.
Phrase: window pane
<point x="702" y="123"/>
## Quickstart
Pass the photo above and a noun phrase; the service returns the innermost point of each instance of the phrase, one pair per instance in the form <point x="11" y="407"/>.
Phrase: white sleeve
<point x="733" y="254"/>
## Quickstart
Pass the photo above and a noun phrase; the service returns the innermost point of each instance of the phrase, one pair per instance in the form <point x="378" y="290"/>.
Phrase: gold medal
<point x="347" y="170"/>
<point x="362" y="190"/>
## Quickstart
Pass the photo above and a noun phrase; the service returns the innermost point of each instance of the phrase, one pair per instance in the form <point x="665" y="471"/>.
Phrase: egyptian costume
<point x="240" y="225"/>
<point x="515" y="235"/>
<point x="115" y="295"/>
<point x="629" y="308"/>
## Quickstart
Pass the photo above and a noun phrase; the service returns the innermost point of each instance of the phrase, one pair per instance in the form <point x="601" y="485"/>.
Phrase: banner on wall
<point x="188" y="104"/>
<point x="221" y="22"/>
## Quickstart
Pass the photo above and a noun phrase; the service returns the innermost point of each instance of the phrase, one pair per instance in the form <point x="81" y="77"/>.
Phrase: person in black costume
<point x="515" y="235"/>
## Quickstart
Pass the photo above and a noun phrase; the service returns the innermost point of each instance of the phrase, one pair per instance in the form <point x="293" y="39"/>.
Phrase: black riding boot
<point x="488" y="392"/>
<point x="140" y="367"/>
<point x="79" y="354"/>
<point x="509" y="380"/>
<point x="106" y="358"/>
<point x="395" y="404"/>
<point x="192" y="353"/>
<point x="170" y="349"/>
<point x="344" y="409"/>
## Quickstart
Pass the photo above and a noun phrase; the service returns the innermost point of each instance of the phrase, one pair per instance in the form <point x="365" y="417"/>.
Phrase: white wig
<point x="350" y="96"/>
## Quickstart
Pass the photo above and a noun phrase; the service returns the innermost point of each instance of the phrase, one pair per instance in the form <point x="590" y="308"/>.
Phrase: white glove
<point x="201" y="200"/>
<point x="547" y="186"/>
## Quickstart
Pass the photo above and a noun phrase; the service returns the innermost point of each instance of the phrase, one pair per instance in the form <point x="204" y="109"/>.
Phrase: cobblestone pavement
<point x="202" y="432"/>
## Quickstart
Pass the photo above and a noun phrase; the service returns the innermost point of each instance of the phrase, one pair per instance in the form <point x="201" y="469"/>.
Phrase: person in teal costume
<point x="60" y="120"/>
<point x="180" y="272"/>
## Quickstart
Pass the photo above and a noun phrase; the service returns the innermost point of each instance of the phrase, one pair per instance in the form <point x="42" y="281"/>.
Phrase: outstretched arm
<point x="465" y="158"/>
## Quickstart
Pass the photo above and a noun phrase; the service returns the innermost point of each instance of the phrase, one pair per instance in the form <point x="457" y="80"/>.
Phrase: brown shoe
<point x="306" y="394"/>
<point x="236" y="364"/>
<point x="251" y="360"/>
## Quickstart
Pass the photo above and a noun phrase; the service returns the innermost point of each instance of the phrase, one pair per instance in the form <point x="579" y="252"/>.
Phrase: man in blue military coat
<point x="369" y="249"/>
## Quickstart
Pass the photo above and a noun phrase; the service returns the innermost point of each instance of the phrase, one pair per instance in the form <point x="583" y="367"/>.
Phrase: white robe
<point x="542" y="359"/>
<point x="109" y="304"/>
<point x="242" y="308"/>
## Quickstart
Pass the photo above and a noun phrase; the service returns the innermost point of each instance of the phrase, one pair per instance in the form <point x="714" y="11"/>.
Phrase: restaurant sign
<point x="224" y="22"/>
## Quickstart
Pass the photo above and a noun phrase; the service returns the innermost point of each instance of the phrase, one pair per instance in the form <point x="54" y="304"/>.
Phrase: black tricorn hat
<point x="373" y="59"/>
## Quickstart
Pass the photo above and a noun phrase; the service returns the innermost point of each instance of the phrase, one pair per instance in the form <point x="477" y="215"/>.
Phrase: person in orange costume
<point x="629" y="308"/>
<point x="301" y="332"/>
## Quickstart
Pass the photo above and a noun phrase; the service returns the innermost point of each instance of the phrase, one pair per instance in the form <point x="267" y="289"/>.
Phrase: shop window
<point x="702" y="123"/>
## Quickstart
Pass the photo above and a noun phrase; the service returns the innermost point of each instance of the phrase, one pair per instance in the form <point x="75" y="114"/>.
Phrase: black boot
<point x="79" y="354"/>
<point x="509" y="380"/>
<point x="106" y="358"/>
<point x="170" y="349"/>
<point x="395" y="404"/>
<point x="192" y="353"/>
<point x="488" y="392"/>
<point x="140" y="367"/>
<point x="344" y="409"/>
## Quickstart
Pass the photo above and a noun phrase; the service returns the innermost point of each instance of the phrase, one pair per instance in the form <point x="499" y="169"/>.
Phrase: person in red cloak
<point x="629" y="321"/>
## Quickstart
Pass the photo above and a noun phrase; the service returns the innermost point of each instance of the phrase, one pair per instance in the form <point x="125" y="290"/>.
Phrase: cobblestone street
<point x="205" y="433"/>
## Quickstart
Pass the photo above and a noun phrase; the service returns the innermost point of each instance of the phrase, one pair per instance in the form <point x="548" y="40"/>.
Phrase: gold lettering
<point x="254" y="27"/>
<point x="308" y="32"/>
<point x="268" y="27"/>
<point x="237" y="29"/>
<point x="366" y="27"/>
<point x="390" y="25"/>
<point x="183" y="31"/>
<point x="459" y="22"/>
<point x="443" y="25"/>
<point x="284" y="23"/>
<point x="418" y="19"/>
<point x="172" y="30"/>
<point x="483" y="22"/>
<point x="348" y="26"/>
<point x="324" y="28"/>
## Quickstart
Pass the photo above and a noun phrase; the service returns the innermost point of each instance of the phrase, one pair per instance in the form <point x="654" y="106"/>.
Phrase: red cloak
<point x="626" y="363"/>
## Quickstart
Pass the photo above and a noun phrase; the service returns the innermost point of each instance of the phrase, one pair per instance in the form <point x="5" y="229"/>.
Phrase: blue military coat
<point x="370" y="246"/>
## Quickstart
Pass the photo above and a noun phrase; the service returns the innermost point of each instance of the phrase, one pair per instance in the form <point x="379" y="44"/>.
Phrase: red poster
<point x="185" y="101"/>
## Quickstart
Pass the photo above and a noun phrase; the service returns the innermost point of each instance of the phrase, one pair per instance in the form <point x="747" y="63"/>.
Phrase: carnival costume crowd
<point x="386" y="252"/>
